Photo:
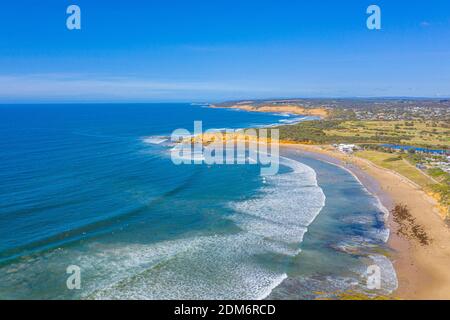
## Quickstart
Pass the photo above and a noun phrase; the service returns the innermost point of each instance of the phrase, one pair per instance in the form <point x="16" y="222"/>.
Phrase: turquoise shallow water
<point x="84" y="185"/>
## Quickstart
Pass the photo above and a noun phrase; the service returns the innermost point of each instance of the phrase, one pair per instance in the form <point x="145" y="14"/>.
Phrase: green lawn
<point x="418" y="133"/>
<point x="398" y="164"/>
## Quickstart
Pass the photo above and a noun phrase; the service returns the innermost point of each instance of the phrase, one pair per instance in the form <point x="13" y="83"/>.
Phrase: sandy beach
<point x="291" y="109"/>
<point x="422" y="270"/>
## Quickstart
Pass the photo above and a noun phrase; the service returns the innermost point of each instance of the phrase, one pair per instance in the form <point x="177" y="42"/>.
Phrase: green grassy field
<point x="371" y="134"/>
<point x="435" y="181"/>
<point x="398" y="164"/>
<point x="427" y="133"/>
<point x="434" y="134"/>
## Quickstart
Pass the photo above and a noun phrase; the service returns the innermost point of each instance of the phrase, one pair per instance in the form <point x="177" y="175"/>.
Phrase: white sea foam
<point x="385" y="232"/>
<point x="389" y="282"/>
<point x="381" y="234"/>
<point x="214" y="267"/>
<point x="273" y="230"/>
<point x="217" y="267"/>
<point x="275" y="284"/>
<point x="288" y="203"/>
<point x="382" y="208"/>
<point x="154" y="140"/>
<point x="183" y="152"/>
<point x="221" y="267"/>
<point x="292" y="121"/>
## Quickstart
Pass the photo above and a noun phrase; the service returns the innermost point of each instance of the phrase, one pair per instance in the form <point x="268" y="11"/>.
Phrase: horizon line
<point x="225" y="100"/>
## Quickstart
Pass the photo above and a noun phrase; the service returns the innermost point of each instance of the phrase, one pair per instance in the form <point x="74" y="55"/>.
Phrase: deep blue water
<point x="80" y="185"/>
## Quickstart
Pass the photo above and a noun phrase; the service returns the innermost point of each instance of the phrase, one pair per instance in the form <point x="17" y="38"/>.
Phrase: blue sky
<point x="190" y="50"/>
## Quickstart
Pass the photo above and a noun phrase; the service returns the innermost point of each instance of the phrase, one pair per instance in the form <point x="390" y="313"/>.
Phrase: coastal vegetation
<point x="372" y="125"/>
<point x="372" y="135"/>
<point x="434" y="181"/>
<point x="410" y="138"/>
<point x="397" y="163"/>
<point x="356" y="109"/>
<point x="432" y="134"/>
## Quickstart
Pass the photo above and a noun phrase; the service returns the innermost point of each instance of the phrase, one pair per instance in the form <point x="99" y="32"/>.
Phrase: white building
<point x="347" y="148"/>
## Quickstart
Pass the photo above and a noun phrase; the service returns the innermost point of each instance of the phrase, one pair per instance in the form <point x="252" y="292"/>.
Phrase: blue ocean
<point x="90" y="186"/>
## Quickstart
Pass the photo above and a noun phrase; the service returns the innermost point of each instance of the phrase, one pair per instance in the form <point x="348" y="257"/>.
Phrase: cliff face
<point x="293" y="109"/>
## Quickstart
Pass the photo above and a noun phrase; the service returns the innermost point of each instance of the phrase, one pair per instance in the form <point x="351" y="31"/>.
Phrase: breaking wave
<point x="272" y="224"/>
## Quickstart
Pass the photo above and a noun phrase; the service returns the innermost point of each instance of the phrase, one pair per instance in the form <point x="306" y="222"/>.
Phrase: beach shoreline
<point x="421" y="270"/>
<point x="286" y="109"/>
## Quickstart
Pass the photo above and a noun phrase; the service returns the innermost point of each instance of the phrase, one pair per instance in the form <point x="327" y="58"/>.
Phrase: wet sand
<point x="422" y="270"/>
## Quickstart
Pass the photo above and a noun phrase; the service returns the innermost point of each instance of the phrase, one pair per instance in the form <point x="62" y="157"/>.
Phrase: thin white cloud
<point x="79" y="87"/>
<point x="61" y="87"/>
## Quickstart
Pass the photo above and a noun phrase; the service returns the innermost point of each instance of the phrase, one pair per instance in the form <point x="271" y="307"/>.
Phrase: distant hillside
<point x="388" y="109"/>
